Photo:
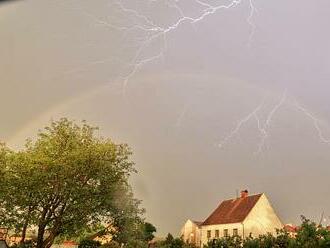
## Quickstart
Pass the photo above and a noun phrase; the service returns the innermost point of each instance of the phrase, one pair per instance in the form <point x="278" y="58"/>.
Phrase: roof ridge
<point x="245" y="197"/>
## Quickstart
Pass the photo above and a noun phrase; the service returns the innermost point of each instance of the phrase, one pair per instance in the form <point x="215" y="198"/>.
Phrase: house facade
<point x="242" y="216"/>
<point x="191" y="232"/>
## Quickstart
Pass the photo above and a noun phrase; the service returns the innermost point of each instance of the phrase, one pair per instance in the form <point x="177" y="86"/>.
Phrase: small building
<point x="191" y="232"/>
<point x="243" y="216"/>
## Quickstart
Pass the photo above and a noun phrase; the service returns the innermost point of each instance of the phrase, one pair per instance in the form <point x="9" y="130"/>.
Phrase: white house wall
<point x="262" y="219"/>
<point x="221" y="229"/>
<point x="191" y="233"/>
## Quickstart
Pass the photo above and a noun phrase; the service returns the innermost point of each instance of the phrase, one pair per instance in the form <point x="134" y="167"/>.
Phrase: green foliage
<point x="87" y="243"/>
<point x="136" y="244"/>
<point x="148" y="231"/>
<point x="68" y="182"/>
<point x="111" y="244"/>
<point x="171" y="242"/>
<point x="312" y="235"/>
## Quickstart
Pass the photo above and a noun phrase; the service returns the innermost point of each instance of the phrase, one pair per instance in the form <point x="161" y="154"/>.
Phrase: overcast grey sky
<point x="224" y="100"/>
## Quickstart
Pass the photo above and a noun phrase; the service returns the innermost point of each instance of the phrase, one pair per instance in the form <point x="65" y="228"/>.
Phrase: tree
<point x="312" y="235"/>
<point x="284" y="240"/>
<point x="66" y="181"/>
<point x="148" y="231"/>
<point x="171" y="242"/>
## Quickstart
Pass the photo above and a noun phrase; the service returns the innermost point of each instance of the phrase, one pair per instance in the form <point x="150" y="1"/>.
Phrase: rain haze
<point x="212" y="96"/>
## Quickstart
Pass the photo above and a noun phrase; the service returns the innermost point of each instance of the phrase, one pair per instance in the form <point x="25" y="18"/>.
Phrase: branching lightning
<point x="263" y="128"/>
<point x="316" y="122"/>
<point x="154" y="32"/>
<point x="240" y="123"/>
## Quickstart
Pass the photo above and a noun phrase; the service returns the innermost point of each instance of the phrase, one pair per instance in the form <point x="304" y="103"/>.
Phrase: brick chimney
<point x="244" y="193"/>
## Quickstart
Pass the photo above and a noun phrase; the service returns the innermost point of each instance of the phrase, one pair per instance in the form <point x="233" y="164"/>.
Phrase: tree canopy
<point x="66" y="181"/>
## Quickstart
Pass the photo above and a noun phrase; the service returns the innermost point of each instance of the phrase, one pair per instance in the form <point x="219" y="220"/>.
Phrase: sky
<point x="213" y="96"/>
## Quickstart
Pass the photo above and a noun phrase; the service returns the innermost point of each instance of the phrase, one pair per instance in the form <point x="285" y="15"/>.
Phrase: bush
<point x="88" y="243"/>
<point x="111" y="244"/>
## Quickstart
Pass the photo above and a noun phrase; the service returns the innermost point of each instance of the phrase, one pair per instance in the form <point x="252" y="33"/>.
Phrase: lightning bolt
<point x="137" y="63"/>
<point x="153" y="32"/>
<point x="263" y="128"/>
<point x="316" y="122"/>
<point x="150" y="32"/>
<point x="240" y="123"/>
<point x="253" y="10"/>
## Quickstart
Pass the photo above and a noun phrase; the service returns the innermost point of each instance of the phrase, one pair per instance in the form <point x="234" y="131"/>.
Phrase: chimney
<point x="244" y="193"/>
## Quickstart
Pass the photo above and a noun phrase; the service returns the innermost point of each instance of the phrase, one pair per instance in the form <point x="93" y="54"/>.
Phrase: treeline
<point x="308" y="235"/>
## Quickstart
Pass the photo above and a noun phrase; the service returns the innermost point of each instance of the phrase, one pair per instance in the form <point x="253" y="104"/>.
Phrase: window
<point x="216" y="233"/>
<point x="235" y="232"/>
<point x="208" y="234"/>
<point x="225" y="232"/>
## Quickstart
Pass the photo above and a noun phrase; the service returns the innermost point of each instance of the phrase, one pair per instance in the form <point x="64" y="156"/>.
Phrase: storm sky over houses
<point x="238" y="99"/>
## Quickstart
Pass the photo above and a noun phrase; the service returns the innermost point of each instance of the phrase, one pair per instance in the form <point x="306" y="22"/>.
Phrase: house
<point x="191" y="232"/>
<point x="242" y="216"/>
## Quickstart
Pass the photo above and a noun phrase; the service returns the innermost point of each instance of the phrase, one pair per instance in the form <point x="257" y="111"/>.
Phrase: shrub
<point x="88" y="243"/>
<point x="111" y="244"/>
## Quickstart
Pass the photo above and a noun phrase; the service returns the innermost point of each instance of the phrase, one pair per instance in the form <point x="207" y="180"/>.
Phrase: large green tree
<point x="66" y="181"/>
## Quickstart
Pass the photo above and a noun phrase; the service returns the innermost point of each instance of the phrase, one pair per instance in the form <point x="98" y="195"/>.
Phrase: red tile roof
<point x="291" y="228"/>
<point x="233" y="210"/>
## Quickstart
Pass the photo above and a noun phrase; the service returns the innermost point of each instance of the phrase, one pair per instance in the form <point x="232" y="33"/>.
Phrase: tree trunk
<point x="52" y="235"/>
<point x="40" y="237"/>
<point x="54" y="232"/>
<point x="26" y="224"/>
<point x="50" y="240"/>
<point x="24" y="230"/>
